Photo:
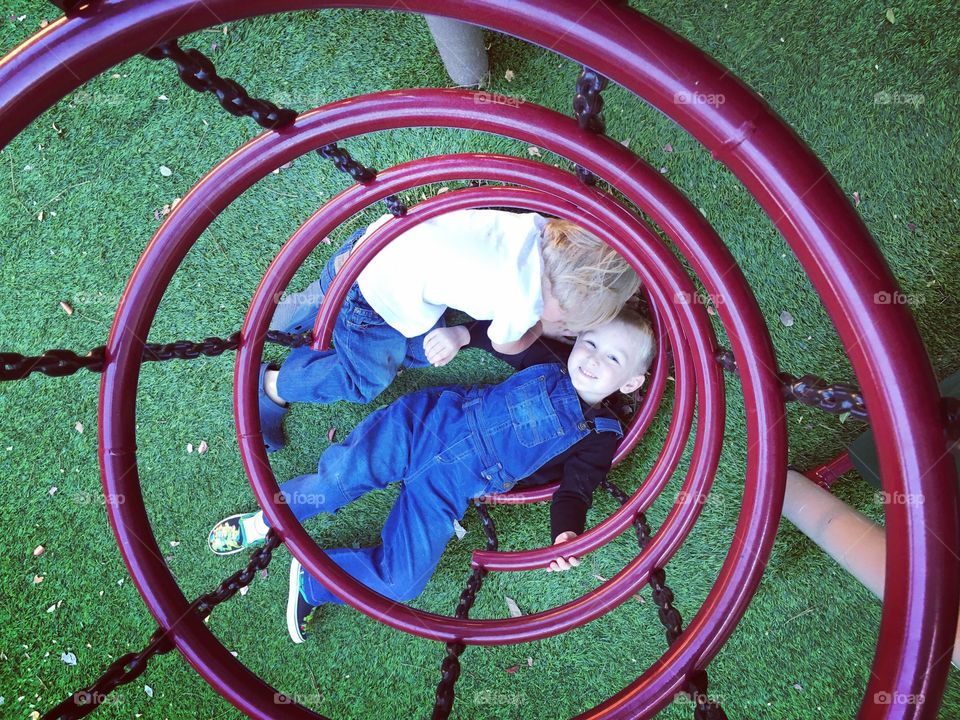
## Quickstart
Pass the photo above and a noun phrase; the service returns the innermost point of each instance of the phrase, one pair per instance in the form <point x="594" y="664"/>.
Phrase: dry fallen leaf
<point x="668" y="148"/>
<point x="512" y="606"/>
<point x="534" y="151"/>
<point x="512" y="669"/>
<point x="44" y="23"/>
<point x="34" y="715"/>
<point x="331" y="434"/>
<point x="148" y="690"/>
<point x="69" y="658"/>
<point x="786" y="318"/>
<point x="245" y="589"/>
<point x="189" y="448"/>
<point x="165" y="171"/>
<point x="202" y="447"/>
<point x="459" y="530"/>
<point x="52" y="491"/>
<point x="79" y="427"/>
<point x="52" y="608"/>
<point x="39" y="550"/>
<point x="625" y="143"/>
<point x="601" y="578"/>
<point x="37" y="579"/>
<point x="529" y="662"/>
<point x="508" y="75"/>
<point x="891" y="18"/>
<point x="174" y="543"/>
<point x="856" y="199"/>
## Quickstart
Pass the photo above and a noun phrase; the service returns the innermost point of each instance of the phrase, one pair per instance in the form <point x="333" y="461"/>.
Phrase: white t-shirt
<point x="484" y="262"/>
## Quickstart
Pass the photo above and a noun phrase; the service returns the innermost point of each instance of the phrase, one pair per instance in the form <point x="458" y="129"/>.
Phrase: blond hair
<point x="642" y="340"/>
<point x="590" y="280"/>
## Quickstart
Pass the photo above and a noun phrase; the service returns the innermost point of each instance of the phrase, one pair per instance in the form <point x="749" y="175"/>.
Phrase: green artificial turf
<point x="91" y="166"/>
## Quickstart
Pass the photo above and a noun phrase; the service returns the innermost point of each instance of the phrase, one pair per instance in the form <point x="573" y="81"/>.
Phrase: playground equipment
<point x="614" y="42"/>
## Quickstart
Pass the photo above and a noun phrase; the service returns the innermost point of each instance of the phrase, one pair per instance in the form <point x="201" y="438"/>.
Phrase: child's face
<point x="603" y="361"/>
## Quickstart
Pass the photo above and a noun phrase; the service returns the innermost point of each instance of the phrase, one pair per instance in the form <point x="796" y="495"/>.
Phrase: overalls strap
<point x="605" y="424"/>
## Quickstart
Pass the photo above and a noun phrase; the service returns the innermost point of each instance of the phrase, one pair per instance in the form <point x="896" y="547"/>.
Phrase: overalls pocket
<point x="531" y="413"/>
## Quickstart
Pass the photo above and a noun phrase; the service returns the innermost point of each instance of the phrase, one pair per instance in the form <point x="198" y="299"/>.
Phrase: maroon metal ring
<point x="846" y="268"/>
<point x="652" y="260"/>
<point x="636" y="242"/>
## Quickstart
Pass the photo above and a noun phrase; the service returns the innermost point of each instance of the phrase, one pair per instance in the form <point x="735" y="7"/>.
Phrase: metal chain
<point x="129" y="667"/>
<point x="58" y="363"/>
<point x="197" y="71"/>
<point x="670" y="618"/>
<point x="450" y="667"/>
<point x="588" y="109"/>
<point x="812" y="391"/>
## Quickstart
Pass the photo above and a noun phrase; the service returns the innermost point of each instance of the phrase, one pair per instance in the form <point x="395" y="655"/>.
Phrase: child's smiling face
<point x="604" y="360"/>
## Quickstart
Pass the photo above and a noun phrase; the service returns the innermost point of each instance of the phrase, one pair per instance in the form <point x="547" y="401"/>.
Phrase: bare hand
<point x="561" y="563"/>
<point x="442" y="345"/>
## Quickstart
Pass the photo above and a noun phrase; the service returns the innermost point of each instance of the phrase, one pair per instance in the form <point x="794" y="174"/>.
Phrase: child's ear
<point x="632" y="384"/>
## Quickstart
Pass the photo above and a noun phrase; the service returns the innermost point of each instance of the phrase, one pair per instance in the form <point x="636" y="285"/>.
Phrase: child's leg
<point x="414" y="537"/>
<point x="375" y="454"/>
<point x="362" y="364"/>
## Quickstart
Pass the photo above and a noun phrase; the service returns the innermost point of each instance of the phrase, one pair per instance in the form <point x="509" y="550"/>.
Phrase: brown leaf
<point x="668" y="148"/>
<point x="512" y="606"/>
<point x="529" y="662"/>
<point x="202" y="447"/>
<point x="66" y="307"/>
<point x="331" y="434"/>
<point x="512" y="669"/>
<point x="45" y="22"/>
<point x="37" y="579"/>
<point x="39" y="550"/>
<point x="534" y="151"/>
<point x="856" y="199"/>
<point x="79" y="427"/>
<point x="508" y="75"/>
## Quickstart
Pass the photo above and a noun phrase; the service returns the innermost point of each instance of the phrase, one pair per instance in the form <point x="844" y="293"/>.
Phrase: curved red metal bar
<point x="633" y="237"/>
<point x="660" y="272"/>
<point x="845" y="266"/>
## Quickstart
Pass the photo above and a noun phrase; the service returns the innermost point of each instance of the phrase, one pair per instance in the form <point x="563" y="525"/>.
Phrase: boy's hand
<point x="561" y="563"/>
<point x="442" y="345"/>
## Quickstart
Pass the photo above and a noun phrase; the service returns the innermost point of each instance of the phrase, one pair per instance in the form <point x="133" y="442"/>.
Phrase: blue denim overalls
<point x="446" y="445"/>
<point x="366" y="350"/>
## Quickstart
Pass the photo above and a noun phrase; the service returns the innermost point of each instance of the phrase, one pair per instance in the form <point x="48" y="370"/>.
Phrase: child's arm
<point x="584" y="469"/>
<point x="443" y="344"/>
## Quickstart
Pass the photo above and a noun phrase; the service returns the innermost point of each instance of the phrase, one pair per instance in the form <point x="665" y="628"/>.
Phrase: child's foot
<point x="271" y="415"/>
<point x="298" y="609"/>
<point x="234" y="533"/>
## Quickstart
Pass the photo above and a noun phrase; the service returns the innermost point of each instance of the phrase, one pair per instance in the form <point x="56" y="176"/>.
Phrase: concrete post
<point x="461" y="48"/>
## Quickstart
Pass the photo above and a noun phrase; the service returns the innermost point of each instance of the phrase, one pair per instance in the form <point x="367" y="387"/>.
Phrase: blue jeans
<point x="366" y="353"/>
<point x="422" y="440"/>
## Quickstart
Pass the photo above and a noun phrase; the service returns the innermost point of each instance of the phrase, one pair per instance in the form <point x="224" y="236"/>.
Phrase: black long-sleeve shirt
<point x="585" y="464"/>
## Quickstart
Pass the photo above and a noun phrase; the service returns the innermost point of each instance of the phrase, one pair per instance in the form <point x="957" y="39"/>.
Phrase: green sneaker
<point x="234" y="533"/>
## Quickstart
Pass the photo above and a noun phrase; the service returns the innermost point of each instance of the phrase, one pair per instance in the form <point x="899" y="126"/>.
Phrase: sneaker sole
<point x="293" y="596"/>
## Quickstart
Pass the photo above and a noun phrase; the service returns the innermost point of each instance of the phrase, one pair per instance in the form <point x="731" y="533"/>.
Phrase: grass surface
<point x="91" y="165"/>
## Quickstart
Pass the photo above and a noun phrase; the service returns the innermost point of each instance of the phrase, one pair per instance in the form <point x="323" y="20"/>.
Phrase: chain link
<point x="198" y="72"/>
<point x="129" y="667"/>
<point x="58" y="363"/>
<point x="812" y="391"/>
<point x="450" y="667"/>
<point x="588" y="109"/>
<point x="670" y="618"/>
